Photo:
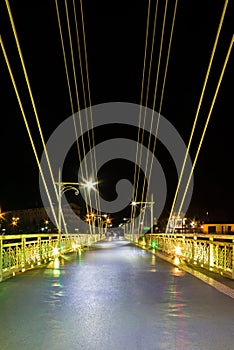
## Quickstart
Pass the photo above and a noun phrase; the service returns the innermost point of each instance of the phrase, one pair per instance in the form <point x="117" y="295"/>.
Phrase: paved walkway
<point x="115" y="296"/>
<point x="221" y="283"/>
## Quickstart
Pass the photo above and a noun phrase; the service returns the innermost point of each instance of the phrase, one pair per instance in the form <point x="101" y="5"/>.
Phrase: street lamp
<point x="103" y="219"/>
<point x="89" y="185"/>
<point x="14" y="222"/>
<point x="125" y="225"/>
<point x="64" y="187"/>
<point x="144" y="205"/>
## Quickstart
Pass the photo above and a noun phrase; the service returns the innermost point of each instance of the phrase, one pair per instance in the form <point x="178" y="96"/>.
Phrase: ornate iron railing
<point x="21" y="252"/>
<point x="213" y="252"/>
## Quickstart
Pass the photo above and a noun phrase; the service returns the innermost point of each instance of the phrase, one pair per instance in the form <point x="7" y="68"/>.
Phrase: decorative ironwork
<point x="21" y="252"/>
<point x="214" y="252"/>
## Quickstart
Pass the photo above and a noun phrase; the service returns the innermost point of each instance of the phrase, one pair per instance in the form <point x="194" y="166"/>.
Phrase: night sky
<point x="115" y="36"/>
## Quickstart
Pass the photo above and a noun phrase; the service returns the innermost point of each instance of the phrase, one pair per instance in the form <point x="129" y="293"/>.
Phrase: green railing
<point x="213" y="252"/>
<point x="21" y="252"/>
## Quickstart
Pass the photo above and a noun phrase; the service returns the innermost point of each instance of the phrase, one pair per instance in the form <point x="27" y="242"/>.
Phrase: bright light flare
<point x="90" y="185"/>
<point x="75" y="246"/>
<point x="2" y="215"/>
<point x="176" y="260"/>
<point x="55" y="251"/>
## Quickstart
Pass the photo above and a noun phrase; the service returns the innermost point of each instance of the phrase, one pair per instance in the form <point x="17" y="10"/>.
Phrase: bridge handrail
<point x="211" y="251"/>
<point x="23" y="251"/>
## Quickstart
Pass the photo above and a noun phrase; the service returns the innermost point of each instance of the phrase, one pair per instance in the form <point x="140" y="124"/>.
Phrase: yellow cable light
<point x="141" y="102"/>
<point x="161" y="100"/>
<point x="206" y="125"/>
<point x="31" y="98"/>
<point x="198" y="110"/>
<point x="70" y="94"/>
<point x="92" y="147"/>
<point x="147" y="95"/>
<point x="27" y="127"/>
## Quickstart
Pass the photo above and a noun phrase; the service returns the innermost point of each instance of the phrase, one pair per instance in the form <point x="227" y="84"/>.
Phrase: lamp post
<point x="62" y="188"/>
<point x="102" y="219"/>
<point x="15" y="222"/>
<point x="151" y="205"/>
<point x="126" y="225"/>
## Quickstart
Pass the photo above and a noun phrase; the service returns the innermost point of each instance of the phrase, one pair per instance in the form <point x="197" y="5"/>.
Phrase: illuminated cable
<point x="71" y="103"/>
<point x="76" y="89"/>
<point x="206" y="125"/>
<point x="32" y="100"/>
<point x="70" y="94"/>
<point x="78" y="103"/>
<point x="92" y="153"/>
<point x="157" y="76"/>
<point x="141" y="102"/>
<point x="28" y="129"/>
<point x="89" y="94"/>
<point x="146" y="103"/>
<point x="162" y="93"/>
<point x="197" y="112"/>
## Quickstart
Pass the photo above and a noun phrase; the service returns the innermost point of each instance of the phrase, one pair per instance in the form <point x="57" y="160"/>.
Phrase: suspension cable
<point x="146" y="102"/>
<point x="158" y="68"/>
<point x="28" y="128"/>
<point x="207" y="122"/>
<point x="162" y="96"/>
<point x="141" y="102"/>
<point x="77" y="96"/>
<point x="70" y="97"/>
<point x="197" y="113"/>
<point x="32" y="101"/>
<point x="91" y="145"/>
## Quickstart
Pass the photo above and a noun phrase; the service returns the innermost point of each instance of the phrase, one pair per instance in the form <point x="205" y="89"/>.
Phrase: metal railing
<point x="21" y="252"/>
<point x="213" y="252"/>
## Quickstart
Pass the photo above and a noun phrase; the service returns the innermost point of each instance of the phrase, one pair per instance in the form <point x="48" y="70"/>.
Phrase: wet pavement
<point x="113" y="297"/>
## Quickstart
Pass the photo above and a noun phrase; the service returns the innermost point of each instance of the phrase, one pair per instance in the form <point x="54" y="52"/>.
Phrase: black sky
<point x="115" y="34"/>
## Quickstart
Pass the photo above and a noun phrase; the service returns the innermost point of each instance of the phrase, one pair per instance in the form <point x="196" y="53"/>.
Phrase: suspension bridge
<point x="64" y="290"/>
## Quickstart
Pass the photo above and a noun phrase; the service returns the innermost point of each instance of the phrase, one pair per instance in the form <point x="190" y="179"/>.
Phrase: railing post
<point x="233" y="259"/>
<point x="39" y="250"/>
<point x="49" y="248"/>
<point x="1" y="258"/>
<point x="194" y="248"/>
<point x="211" y="257"/>
<point x="23" y="258"/>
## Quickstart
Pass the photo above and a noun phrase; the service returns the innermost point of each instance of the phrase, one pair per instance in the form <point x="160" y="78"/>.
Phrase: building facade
<point x="219" y="228"/>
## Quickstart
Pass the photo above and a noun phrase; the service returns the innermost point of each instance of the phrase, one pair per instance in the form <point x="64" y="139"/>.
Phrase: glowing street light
<point x="15" y="221"/>
<point x="144" y="205"/>
<point x="62" y="188"/>
<point x="89" y="185"/>
<point x="67" y="186"/>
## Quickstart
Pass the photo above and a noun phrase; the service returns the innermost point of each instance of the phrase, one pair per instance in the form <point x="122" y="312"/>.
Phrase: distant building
<point x="37" y="220"/>
<point x="182" y="224"/>
<point x="175" y="224"/>
<point x="219" y="228"/>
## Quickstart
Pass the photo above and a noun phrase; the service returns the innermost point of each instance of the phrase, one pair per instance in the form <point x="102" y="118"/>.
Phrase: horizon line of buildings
<point x="34" y="220"/>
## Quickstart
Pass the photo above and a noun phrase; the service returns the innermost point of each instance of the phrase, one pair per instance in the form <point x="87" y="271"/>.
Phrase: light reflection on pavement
<point x="113" y="297"/>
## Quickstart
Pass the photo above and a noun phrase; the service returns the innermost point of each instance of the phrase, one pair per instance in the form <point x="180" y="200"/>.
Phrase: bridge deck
<point x="115" y="296"/>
